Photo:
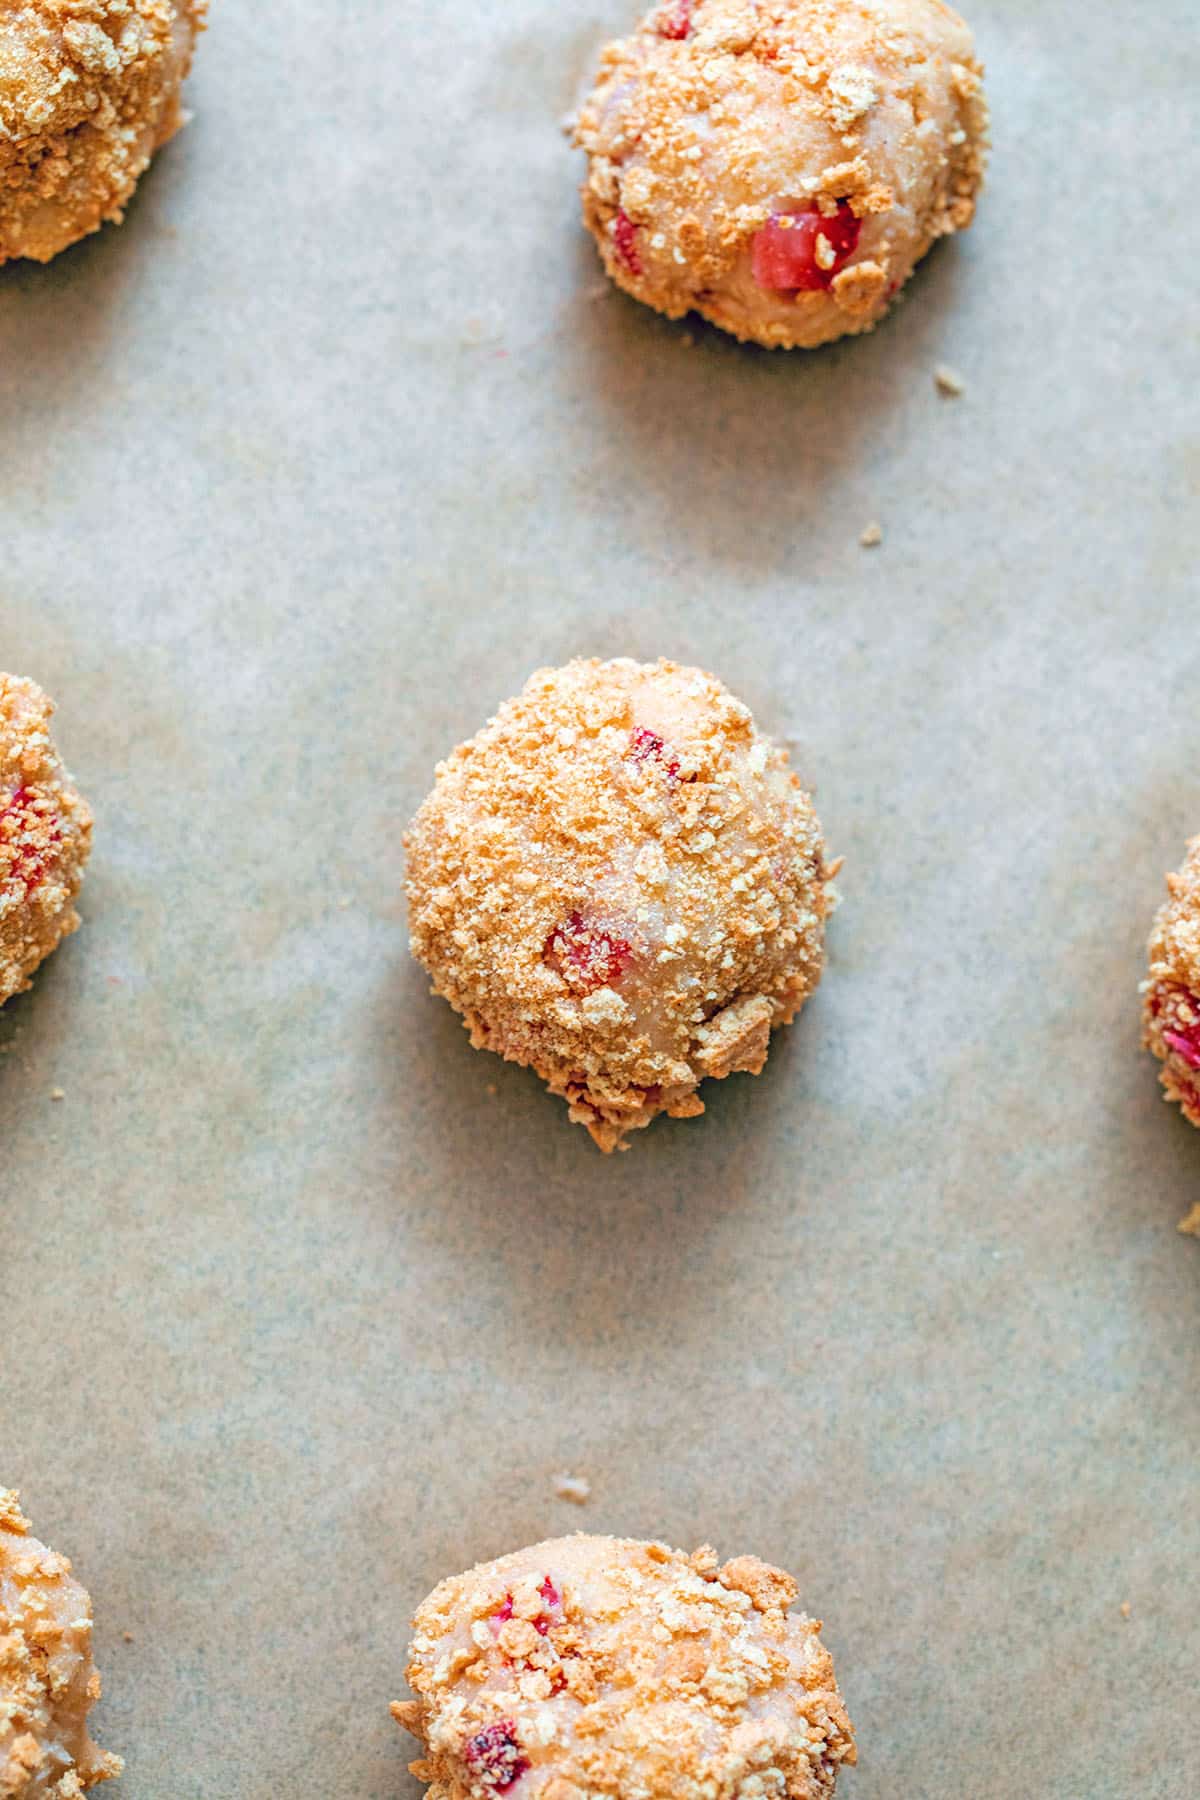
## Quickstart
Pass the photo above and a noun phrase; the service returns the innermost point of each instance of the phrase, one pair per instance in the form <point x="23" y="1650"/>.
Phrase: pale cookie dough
<point x="45" y="838"/>
<point x="598" y="1666"/>
<point x="1171" y="997"/>
<point x="89" y="90"/>
<point x="781" y="167"/>
<point x="620" y="883"/>
<point x="48" y="1681"/>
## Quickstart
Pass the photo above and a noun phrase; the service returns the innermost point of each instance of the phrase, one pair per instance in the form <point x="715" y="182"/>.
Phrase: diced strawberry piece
<point x="1181" y="1032"/>
<point x="625" y="239"/>
<point x="677" y="23"/>
<point x="586" y="956"/>
<point x="494" y="1756"/>
<point x="787" y="255"/>
<point x="30" y="839"/>
<point x="647" y="746"/>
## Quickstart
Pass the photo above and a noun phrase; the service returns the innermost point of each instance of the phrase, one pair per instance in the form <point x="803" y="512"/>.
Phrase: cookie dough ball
<point x="45" y="837"/>
<point x="89" y="90"/>
<point x="603" y="1666"/>
<point x="620" y="883"/>
<point x="48" y="1681"/>
<point x="782" y="167"/>
<point x="1171" y="997"/>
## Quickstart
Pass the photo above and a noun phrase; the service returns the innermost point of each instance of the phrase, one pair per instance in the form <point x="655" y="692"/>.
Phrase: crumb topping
<point x="48" y="1681"/>
<point x="663" y="1675"/>
<point x="717" y="118"/>
<point x="89" y="89"/>
<point x="45" y="837"/>
<point x="620" y="883"/>
<point x="1171" y="996"/>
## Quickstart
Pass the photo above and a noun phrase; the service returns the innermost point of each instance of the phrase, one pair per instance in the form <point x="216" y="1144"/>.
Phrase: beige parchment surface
<point x="304" y="1304"/>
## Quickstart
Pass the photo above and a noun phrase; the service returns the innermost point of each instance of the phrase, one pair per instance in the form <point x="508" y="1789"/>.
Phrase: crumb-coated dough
<point x="45" y="837"/>
<point x="620" y="883"/>
<point x="599" y="1666"/>
<point x="781" y="167"/>
<point x="89" y="90"/>
<point x="1171" y="996"/>
<point x="48" y="1681"/>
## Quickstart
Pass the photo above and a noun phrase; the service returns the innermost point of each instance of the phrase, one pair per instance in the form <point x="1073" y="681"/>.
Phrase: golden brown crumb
<point x="1126" y="1609"/>
<point x="949" y="382"/>
<point x="620" y="884"/>
<point x="872" y="536"/>
<point x="719" y="127"/>
<point x="48" y="1681"/>
<point x="89" y="90"/>
<point x="1190" y="1225"/>
<point x="573" y="1488"/>
<point x="45" y="837"/>
<point x="596" y="1666"/>
<point x="1171" y="996"/>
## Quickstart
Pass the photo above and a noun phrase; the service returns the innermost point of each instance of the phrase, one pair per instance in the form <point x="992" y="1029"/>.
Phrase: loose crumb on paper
<point x="1190" y="1226"/>
<point x="1126" y="1609"/>
<point x="57" y="1094"/>
<point x="872" y="535"/>
<point x="573" y="1488"/>
<point x="949" y="381"/>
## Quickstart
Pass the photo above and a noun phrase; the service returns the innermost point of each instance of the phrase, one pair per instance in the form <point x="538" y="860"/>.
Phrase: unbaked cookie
<point x="781" y="167"/>
<point x="621" y="884"/>
<point x="48" y="1681"/>
<point x="89" y="90"/>
<point x="598" y="1666"/>
<point x="1171" y="997"/>
<point x="45" y="837"/>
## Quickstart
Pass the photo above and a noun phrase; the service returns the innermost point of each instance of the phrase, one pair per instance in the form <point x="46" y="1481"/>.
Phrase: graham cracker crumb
<point x="949" y="381"/>
<point x="573" y="1488"/>
<point x="1190" y="1226"/>
<point x="872" y="535"/>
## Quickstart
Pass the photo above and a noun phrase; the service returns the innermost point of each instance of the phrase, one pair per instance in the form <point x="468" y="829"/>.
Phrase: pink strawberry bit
<point x="31" y="833"/>
<point x="625" y="239"/>
<point x="785" y="252"/>
<point x="494" y="1755"/>
<point x="677" y="23"/>
<point x="1183" y="1034"/>
<point x="552" y="1599"/>
<point x="586" y="956"/>
<point x="646" y="746"/>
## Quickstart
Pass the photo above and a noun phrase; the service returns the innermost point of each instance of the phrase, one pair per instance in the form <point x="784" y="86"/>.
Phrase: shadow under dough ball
<point x="1171" y="996"/>
<point x="45" y="837"/>
<point x="48" y="1681"/>
<point x="88" y="93"/>
<point x="606" y="1666"/>
<point x="620" y="883"/>
<point x="781" y="167"/>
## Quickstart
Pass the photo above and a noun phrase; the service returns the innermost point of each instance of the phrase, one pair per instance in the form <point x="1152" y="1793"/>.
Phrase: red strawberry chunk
<point x="586" y="956"/>
<point x="625" y="239"/>
<point x="1183" y="1036"/>
<point x="786" y="254"/>
<point x="677" y="23"/>
<point x="494" y="1756"/>
<point x="647" y="746"/>
<point x="30" y="839"/>
<point x="551" y="1597"/>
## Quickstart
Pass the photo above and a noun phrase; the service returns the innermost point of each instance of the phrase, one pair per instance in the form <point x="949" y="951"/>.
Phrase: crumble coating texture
<point x="715" y="116"/>
<point x="591" y="1666"/>
<point x="45" y="837"/>
<point x="620" y="884"/>
<point x="1171" y="996"/>
<point x="48" y="1681"/>
<point x="89" y="90"/>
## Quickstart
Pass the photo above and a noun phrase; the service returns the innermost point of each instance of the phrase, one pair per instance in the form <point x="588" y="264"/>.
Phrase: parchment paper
<point x="305" y="1303"/>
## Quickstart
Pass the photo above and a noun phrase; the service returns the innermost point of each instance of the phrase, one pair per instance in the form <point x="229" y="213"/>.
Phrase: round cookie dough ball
<point x="1171" y="997"/>
<point x="782" y="167"/>
<point x="603" y="1666"/>
<point x="48" y="1681"/>
<point x="89" y="90"/>
<point x="621" y="884"/>
<point x="45" y="837"/>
